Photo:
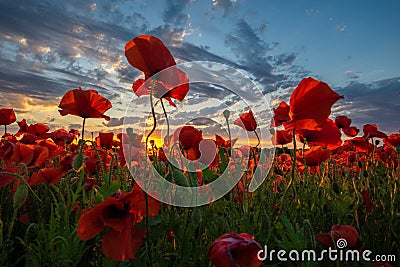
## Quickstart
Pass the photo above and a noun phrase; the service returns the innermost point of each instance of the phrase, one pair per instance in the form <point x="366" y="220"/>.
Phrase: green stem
<point x="230" y="137"/>
<point x="83" y="129"/>
<point x="294" y="155"/>
<point x="148" y="239"/>
<point x="166" y="118"/>
<point x="258" y="138"/>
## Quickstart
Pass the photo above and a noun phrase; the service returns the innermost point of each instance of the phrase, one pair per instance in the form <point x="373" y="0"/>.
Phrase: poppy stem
<point x="294" y="155"/>
<point x="166" y="118"/>
<point x="146" y="197"/>
<point x="258" y="138"/>
<point x="83" y="129"/>
<point x="5" y="130"/>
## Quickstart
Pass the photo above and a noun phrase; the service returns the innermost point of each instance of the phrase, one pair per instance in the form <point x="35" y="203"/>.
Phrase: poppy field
<point x="67" y="200"/>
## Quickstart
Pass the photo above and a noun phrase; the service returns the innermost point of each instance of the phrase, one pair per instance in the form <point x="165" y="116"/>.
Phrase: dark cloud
<point x="377" y="102"/>
<point x="252" y="54"/>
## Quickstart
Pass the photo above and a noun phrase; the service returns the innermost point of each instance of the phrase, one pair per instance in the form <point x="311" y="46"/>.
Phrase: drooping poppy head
<point x="247" y="121"/>
<point x="310" y="105"/>
<point x="233" y="249"/>
<point x="7" y="116"/>
<point x="85" y="104"/>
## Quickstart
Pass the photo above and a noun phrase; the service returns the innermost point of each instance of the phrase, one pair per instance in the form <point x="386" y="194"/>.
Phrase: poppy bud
<point x="78" y="161"/>
<point x="20" y="196"/>
<point x="129" y="131"/>
<point x="226" y="113"/>
<point x="365" y="173"/>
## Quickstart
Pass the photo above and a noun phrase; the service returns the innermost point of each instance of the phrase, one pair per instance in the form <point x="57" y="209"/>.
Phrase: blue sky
<point x="49" y="47"/>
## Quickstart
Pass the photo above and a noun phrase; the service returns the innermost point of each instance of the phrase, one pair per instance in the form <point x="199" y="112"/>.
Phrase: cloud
<point x="253" y="55"/>
<point x="225" y="5"/>
<point x="352" y="75"/>
<point x="173" y="13"/>
<point x="377" y="102"/>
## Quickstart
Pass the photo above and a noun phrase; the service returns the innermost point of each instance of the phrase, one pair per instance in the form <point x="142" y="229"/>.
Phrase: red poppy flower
<point x="34" y="129"/>
<point x="31" y="155"/>
<point x="329" y="136"/>
<point x="393" y="140"/>
<point x="371" y="131"/>
<point x="161" y="155"/>
<point x="313" y="156"/>
<point x="358" y="144"/>
<point x="247" y="121"/>
<point x="283" y="137"/>
<point x="219" y="141"/>
<point x="7" y="116"/>
<point x="148" y="54"/>
<point x="342" y="231"/>
<point x="61" y="137"/>
<point x="85" y="104"/>
<point x="343" y="122"/>
<point x="233" y="249"/>
<point x="310" y="105"/>
<point x="49" y="175"/>
<point x="189" y="137"/>
<point x="105" y="140"/>
<point x="281" y="114"/>
<point x="122" y="240"/>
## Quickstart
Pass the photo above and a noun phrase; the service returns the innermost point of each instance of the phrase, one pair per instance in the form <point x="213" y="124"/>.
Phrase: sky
<point x="50" y="47"/>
